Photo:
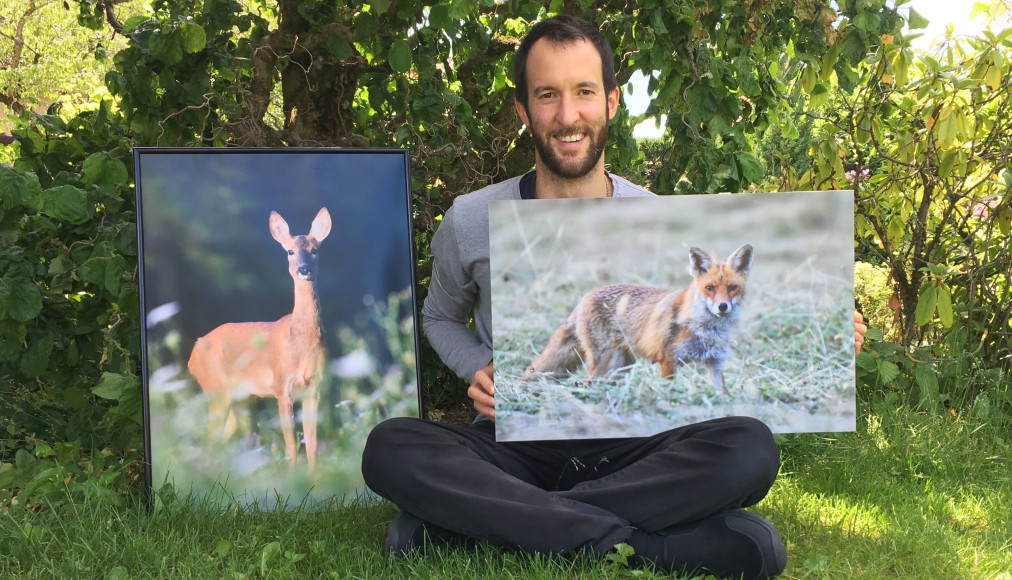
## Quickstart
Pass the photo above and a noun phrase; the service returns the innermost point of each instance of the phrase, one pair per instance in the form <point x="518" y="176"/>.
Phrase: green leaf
<point x="439" y="16"/>
<point x="927" y="301"/>
<point x="901" y="69"/>
<point x="381" y="6"/>
<point x="20" y="299"/>
<point x="809" y="77"/>
<point x="916" y="21"/>
<point x="224" y="547"/>
<point x="365" y="28"/>
<point x="751" y="169"/>
<point x="927" y="380"/>
<point x="657" y="19"/>
<point x="193" y="37"/>
<point x="947" y="126"/>
<point x="12" y="339"/>
<point x="819" y="97"/>
<point x="102" y="170"/>
<point x="65" y="202"/>
<point x="43" y="450"/>
<point x="166" y="46"/>
<point x="400" y="56"/>
<point x="105" y="272"/>
<point x="992" y="78"/>
<point x="895" y="231"/>
<point x="945" y="167"/>
<point x="867" y="21"/>
<point x="36" y="359"/>
<point x="60" y="265"/>
<point x="339" y="47"/>
<point x="944" y="306"/>
<point x="17" y="188"/>
<point x="268" y="554"/>
<point x="113" y="385"/>
<point x="852" y="48"/>
<point x="887" y="371"/>
<point x="702" y="102"/>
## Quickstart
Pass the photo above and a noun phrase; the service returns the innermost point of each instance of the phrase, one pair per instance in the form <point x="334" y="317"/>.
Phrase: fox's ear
<point x="741" y="260"/>
<point x="699" y="262"/>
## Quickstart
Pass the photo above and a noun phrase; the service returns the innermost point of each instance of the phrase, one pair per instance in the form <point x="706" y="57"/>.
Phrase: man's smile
<point x="573" y="138"/>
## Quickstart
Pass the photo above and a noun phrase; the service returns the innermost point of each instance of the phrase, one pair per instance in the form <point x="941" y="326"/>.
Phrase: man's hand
<point x="482" y="392"/>
<point x="859" y="330"/>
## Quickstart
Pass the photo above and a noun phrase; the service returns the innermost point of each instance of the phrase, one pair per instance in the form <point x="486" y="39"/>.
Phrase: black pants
<point x="560" y="496"/>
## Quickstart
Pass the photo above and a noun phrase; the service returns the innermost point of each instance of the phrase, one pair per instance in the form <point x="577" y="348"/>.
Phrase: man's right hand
<point x="482" y="392"/>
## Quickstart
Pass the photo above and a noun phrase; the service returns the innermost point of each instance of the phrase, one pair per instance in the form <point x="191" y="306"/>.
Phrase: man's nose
<point x="568" y="112"/>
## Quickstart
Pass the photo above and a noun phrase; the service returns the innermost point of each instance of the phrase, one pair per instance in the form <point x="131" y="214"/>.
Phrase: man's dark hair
<point x="560" y="30"/>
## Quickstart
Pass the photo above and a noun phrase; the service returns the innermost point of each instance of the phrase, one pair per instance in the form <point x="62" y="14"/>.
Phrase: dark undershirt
<point x="527" y="185"/>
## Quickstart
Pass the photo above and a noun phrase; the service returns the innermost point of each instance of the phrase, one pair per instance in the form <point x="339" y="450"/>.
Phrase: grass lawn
<point x="907" y="496"/>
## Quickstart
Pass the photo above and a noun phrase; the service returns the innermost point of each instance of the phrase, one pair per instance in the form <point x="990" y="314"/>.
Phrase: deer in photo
<point x="283" y="359"/>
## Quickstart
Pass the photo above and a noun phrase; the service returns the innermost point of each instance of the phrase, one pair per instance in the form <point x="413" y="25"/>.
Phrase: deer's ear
<point x="321" y="225"/>
<point x="279" y="228"/>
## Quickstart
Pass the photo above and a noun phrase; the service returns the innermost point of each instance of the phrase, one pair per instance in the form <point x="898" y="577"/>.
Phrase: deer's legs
<point x="287" y="416"/>
<point x="310" y="407"/>
<point x="221" y="421"/>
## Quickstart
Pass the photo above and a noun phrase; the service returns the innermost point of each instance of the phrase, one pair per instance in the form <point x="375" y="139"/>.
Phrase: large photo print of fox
<point x="613" y="325"/>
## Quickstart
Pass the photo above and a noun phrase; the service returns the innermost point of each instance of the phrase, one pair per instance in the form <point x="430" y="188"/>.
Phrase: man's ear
<point x="521" y="112"/>
<point x="612" y="103"/>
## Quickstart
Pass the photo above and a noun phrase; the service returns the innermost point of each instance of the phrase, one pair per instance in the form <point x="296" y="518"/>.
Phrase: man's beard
<point x="568" y="167"/>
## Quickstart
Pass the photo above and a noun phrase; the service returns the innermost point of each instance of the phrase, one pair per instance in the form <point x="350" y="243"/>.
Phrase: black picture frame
<point x="211" y="256"/>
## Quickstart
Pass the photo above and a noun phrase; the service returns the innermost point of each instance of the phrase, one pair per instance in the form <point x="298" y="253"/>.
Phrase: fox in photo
<point x="612" y="325"/>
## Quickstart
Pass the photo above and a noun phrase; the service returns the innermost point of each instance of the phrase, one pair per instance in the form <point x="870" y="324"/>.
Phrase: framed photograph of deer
<point x="277" y="302"/>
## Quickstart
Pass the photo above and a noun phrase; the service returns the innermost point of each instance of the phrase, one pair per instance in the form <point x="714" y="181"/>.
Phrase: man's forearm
<point x="457" y="346"/>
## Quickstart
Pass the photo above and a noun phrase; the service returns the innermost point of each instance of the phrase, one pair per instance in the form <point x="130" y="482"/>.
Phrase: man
<point x="676" y="497"/>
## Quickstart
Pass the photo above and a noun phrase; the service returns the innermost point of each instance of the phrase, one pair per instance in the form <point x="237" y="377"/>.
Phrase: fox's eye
<point x="291" y="252"/>
<point x="732" y="287"/>
<point x="709" y="287"/>
<point x="313" y="251"/>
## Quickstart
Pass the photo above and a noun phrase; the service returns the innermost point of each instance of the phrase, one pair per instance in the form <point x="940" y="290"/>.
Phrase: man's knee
<point x="755" y="456"/>
<point x="386" y="456"/>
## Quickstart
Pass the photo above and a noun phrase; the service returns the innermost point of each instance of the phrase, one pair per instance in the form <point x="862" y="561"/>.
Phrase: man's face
<point x="568" y="108"/>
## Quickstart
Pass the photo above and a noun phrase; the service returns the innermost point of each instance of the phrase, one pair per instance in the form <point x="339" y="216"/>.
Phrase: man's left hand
<point x="859" y="331"/>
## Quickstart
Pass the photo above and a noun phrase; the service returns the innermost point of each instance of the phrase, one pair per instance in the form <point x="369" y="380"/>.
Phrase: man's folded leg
<point x="459" y="479"/>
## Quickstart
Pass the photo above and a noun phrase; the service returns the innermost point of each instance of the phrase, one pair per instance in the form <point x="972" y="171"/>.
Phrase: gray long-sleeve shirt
<point x="461" y="279"/>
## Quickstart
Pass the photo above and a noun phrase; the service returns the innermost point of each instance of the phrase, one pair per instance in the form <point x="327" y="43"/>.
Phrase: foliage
<point x="924" y="142"/>
<point x="69" y="340"/>
<point x="436" y="80"/>
<point x="46" y="57"/>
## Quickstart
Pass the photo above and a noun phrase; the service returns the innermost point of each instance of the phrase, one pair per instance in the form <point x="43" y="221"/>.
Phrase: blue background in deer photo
<point x="208" y="258"/>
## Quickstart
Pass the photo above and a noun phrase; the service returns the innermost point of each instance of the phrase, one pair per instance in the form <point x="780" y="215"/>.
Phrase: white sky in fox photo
<point x="939" y="13"/>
